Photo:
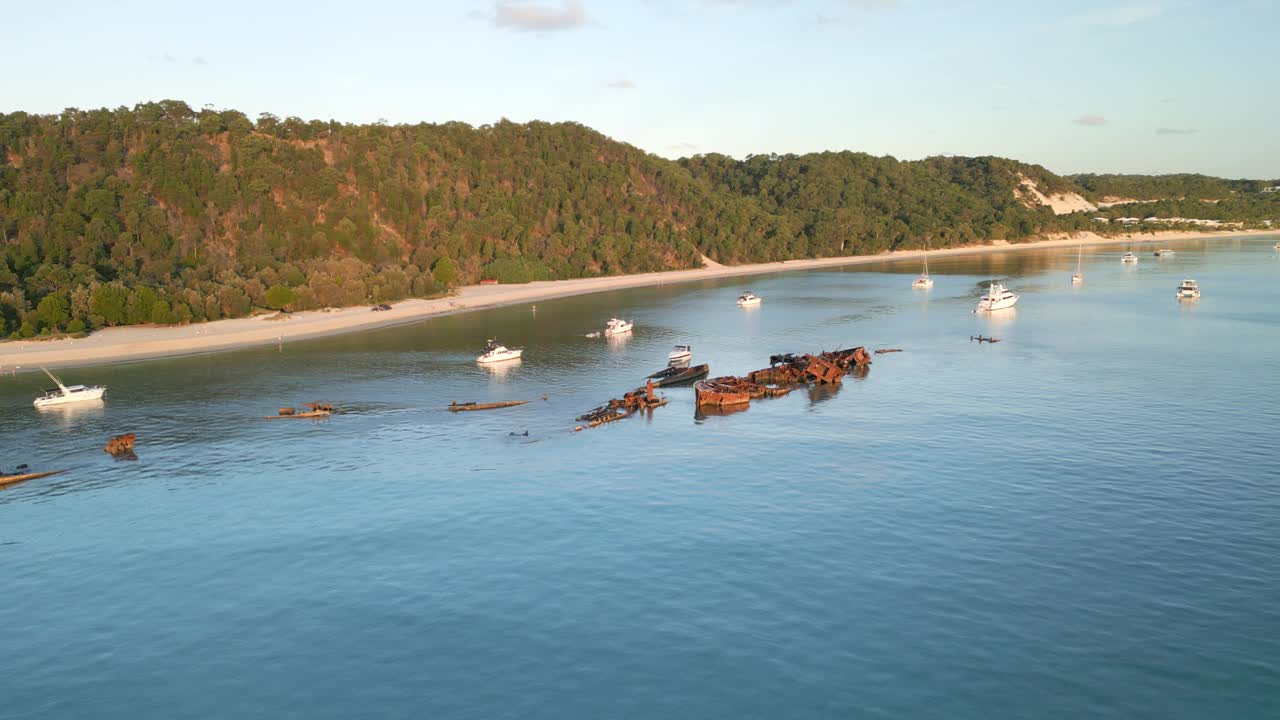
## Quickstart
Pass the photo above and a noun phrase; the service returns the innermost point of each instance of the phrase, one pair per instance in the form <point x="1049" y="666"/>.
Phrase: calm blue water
<point x="1080" y="521"/>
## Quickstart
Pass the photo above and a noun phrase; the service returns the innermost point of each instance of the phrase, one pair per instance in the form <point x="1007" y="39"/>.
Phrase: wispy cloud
<point x="1120" y="16"/>
<point x="1176" y="131"/>
<point x="1091" y="120"/>
<point x="538" y="17"/>
<point x="683" y="147"/>
<point x="168" y="58"/>
<point x="199" y="60"/>
<point x="622" y="84"/>
<point x="871" y="4"/>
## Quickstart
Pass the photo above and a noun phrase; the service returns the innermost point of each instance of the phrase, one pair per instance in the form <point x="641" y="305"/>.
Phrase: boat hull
<point x="688" y="375"/>
<point x="922" y="284"/>
<point x="749" y="303"/>
<point x="82" y="396"/>
<point x="994" y="305"/>
<point x="508" y="356"/>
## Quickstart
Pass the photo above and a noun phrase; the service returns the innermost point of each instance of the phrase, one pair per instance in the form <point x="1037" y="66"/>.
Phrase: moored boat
<point x="998" y="297"/>
<point x="748" y="299"/>
<point x="65" y="394"/>
<point x="1078" y="277"/>
<point x="1188" y="289"/>
<point x="495" y="352"/>
<point x="1129" y="259"/>
<point x="924" y="282"/>
<point x="617" y="327"/>
<point x="1162" y="252"/>
<point x="679" y="375"/>
<point x="682" y="354"/>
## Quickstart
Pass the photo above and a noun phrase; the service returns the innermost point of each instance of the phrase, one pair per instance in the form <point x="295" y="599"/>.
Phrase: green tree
<point x="54" y="310"/>
<point x="280" y="297"/>
<point x="109" y="302"/>
<point x="445" y="272"/>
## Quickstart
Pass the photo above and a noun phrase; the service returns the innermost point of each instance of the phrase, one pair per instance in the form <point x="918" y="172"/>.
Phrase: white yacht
<point x="1188" y="290"/>
<point x="924" y="282"/>
<point x="1162" y="252"/>
<point x="1129" y="259"/>
<point x="682" y="354"/>
<point x="495" y="352"/>
<point x="998" y="297"/>
<point x="748" y="298"/>
<point x="617" y="327"/>
<point x="65" y="394"/>
<point x="1078" y="277"/>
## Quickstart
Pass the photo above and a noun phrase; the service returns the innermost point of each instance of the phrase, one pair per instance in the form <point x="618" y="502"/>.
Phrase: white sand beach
<point x="141" y="342"/>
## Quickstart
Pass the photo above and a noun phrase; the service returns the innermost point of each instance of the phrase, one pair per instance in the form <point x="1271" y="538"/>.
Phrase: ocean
<point x="1077" y="521"/>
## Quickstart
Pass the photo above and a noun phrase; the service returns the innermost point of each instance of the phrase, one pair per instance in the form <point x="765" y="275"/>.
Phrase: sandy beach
<point x="141" y="342"/>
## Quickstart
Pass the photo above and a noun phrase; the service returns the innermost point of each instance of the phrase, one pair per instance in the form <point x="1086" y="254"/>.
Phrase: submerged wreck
<point x="314" y="410"/>
<point x="784" y="373"/>
<point x="121" y="445"/>
<point x="624" y="407"/>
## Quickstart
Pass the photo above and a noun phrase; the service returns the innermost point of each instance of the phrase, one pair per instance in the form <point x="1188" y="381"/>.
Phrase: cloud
<point x="1120" y="16"/>
<point x="683" y="147"/>
<point x="1091" y="120"/>
<point x="538" y="17"/>
<point x="622" y="84"/>
<point x="1176" y="131"/>
<point x="199" y="60"/>
<point x="871" y="4"/>
<point x="168" y="58"/>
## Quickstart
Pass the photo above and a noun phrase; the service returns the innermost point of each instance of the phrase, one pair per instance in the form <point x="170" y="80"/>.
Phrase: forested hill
<point x="160" y="213"/>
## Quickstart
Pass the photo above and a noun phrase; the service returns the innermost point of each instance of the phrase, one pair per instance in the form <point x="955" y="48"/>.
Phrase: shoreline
<point x="133" y="343"/>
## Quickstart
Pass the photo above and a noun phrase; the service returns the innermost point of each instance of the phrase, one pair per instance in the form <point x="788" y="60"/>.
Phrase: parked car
<point x="381" y="306"/>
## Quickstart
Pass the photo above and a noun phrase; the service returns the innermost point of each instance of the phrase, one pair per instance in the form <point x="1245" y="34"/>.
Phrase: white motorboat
<point x="1162" y="252"/>
<point x="998" y="297"/>
<point x="1188" y="290"/>
<point x="617" y="327"/>
<point x="495" y="352"/>
<point x="924" y="282"/>
<point x="1078" y="277"/>
<point x="1129" y="259"/>
<point x="66" y="394"/>
<point x="748" y="298"/>
<point x="681" y="354"/>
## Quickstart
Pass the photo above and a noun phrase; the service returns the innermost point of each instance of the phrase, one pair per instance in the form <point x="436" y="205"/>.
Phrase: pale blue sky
<point x="1142" y="86"/>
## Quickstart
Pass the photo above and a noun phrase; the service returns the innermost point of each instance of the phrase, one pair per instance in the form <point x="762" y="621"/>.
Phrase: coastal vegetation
<point x="164" y="214"/>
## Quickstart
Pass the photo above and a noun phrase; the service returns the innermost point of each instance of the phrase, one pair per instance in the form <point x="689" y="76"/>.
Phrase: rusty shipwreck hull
<point x="730" y="391"/>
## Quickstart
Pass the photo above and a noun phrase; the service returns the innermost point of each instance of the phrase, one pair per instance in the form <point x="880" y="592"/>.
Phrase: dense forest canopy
<point x="164" y="214"/>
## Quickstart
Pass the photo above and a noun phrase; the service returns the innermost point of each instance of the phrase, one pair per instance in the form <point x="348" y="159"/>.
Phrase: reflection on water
<point x="71" y="412"/>
<point x="822" y="393"/>
<point x="711" y="411"/>
<point x="1000" y="318"/>
<point x="501" y="370"/>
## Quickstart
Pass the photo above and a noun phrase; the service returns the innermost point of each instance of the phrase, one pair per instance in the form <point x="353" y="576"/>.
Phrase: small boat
<point x="998" y="297"/>
<point x="65" y="394"/>
<point x="679" y="375"/>
<point x="748" y="298"/>
<point x="1078" y="277"/>
<point x="7" y="480"/>
<point x="617" y="327"/>
<point x="1129" y="259"/>
<point x="1162" y="252"/>
<point x="1276" y="246"/>
<point x="469" y="406"/>
<point x="682" y="354"/>
<point x="494" y="352"/>
<point x="1188" y="290"/>
<point x="924" y="282"/>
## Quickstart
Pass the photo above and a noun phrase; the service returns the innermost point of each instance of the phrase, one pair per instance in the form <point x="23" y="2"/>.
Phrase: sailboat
<point x="924" y="282"/>
<point x="1079" y="276"/>
<point x="64" y="394"/>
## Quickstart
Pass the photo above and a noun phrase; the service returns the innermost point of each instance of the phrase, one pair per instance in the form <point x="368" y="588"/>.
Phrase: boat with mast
<point x="924" y="282"/>
<point x="65" y="394"/>
<point x="1079" y="276"/>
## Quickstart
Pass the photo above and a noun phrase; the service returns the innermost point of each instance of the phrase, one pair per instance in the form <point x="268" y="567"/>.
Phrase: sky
<point x="1149" y="86"/>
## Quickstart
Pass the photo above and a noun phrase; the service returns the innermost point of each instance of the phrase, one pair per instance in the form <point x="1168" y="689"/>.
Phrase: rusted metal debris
<point x="729" y="391"/>
<point x="981" y="339"/>
<point x="823" y="368"/>
<point x="121" y="445"/>
<point x="882" y="351"/>
<point x="642" y="398"/>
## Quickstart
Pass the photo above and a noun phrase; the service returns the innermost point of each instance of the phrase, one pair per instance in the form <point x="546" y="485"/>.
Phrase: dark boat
<point x="679" y="375"/>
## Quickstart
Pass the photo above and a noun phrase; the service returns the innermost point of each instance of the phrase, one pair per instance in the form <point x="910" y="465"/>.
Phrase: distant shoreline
<point x="150" y="342"/>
